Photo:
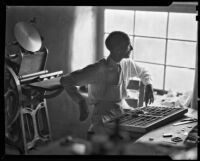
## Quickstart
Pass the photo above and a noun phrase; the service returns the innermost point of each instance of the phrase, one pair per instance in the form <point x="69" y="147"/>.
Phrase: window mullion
<point x="133" y="34"/>
<point x="165" y="60"/>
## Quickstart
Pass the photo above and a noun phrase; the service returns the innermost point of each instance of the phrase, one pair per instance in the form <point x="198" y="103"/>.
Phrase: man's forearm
<point x="70" y="87"/>
<point x="142" y="73"/>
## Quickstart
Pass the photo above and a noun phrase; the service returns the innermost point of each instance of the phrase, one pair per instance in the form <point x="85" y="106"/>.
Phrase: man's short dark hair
<point x="115" y="39"/>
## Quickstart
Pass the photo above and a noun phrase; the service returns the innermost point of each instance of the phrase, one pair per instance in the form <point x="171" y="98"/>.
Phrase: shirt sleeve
<point x="140" y="72"/>
<point x="85" y="76"/>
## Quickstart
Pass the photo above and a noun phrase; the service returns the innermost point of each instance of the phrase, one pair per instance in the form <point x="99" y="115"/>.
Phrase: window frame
<point x="175" y="8"/>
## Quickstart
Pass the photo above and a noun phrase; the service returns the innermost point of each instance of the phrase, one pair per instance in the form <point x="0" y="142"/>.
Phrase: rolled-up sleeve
<point x="140" y="72"/>
<point x="85" y="76"/>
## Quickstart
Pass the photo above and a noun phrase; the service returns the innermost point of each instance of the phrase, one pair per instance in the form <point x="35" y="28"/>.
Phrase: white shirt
<point x="99" y="75"/>
<point x="106" y="85"/>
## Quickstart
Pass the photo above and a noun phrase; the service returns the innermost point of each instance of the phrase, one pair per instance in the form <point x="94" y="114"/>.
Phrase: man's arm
<point x="84" y="76"/>
<point x="140" y="72"/>
<point x="146" y="78"/>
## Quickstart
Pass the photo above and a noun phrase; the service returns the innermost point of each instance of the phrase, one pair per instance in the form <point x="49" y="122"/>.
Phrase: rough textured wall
<point x="84" y="38"/>
<point x="61" y="27"/>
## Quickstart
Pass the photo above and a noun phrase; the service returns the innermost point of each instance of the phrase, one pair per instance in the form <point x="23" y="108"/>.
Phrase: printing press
<point x="26" y="113"/>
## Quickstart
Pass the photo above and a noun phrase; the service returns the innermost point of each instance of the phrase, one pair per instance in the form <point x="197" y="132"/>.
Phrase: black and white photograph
<point x="107" y="80"/>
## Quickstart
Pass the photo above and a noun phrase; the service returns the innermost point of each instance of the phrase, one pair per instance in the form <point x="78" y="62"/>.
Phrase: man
<point x="107" y="80"/>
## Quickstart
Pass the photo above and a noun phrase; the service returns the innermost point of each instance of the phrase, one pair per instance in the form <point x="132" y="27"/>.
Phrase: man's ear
<point x="118" y="49"/>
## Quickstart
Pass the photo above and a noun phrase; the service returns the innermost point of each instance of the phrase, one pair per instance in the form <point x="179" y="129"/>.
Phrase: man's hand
<point x="83" y="108"/>
<point x="149" y="98"/>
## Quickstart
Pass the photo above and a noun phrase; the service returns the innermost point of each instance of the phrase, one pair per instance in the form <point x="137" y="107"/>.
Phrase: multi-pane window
<point x="163" y="42"/>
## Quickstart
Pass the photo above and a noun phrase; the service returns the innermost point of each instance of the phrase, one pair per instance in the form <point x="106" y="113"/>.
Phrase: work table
<point x="153" y="137"/>
<point x="157" y="145"/>
<point x="156" y="136"/>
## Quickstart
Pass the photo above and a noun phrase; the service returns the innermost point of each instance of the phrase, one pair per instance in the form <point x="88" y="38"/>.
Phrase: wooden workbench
<point x="142" y="146"/>
<point x="156" y="136"/>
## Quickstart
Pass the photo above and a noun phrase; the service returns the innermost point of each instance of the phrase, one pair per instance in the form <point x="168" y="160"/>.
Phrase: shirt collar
<point x="112" y="62"/>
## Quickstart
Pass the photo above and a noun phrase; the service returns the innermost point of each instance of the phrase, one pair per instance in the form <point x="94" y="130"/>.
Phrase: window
<point x="123" y="22"/>
<point x="163" y="42"/>
<point x="182" y="26"/>
<point x="149" y="49"/>
<point x="152" y="24"/>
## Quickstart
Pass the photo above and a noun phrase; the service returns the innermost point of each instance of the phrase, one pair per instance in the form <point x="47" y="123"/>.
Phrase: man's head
<point x="118" y="43"/>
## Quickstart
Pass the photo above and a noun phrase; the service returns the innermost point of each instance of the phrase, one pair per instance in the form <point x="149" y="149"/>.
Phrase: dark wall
<point x="56" y="25"/>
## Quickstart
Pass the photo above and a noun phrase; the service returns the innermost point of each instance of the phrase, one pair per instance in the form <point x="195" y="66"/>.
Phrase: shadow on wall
<point x="56" y="25"/>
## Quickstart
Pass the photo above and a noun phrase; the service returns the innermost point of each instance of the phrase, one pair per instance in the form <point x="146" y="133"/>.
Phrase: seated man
<point x="107" y="80"/>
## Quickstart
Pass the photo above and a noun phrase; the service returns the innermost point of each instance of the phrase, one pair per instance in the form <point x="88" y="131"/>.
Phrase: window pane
<point x="181" y="53"/>
<point x="182" y="26"/>
<point x="157" y="72"/>
<point x="151" y="23"/>
<point x="120" y="20"/>
<point x="149" y="49"/>
<point x="179" y="79"/>
<point x="107" y="52"/>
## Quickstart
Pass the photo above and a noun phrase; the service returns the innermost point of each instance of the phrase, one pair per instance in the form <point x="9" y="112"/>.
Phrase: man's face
<point x="121" y="47"/>
<point x="126" y="50"/>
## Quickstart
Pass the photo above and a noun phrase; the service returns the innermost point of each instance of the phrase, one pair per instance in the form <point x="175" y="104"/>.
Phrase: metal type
<point x="151" y="117"/>
<point x="176" y="139"/>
